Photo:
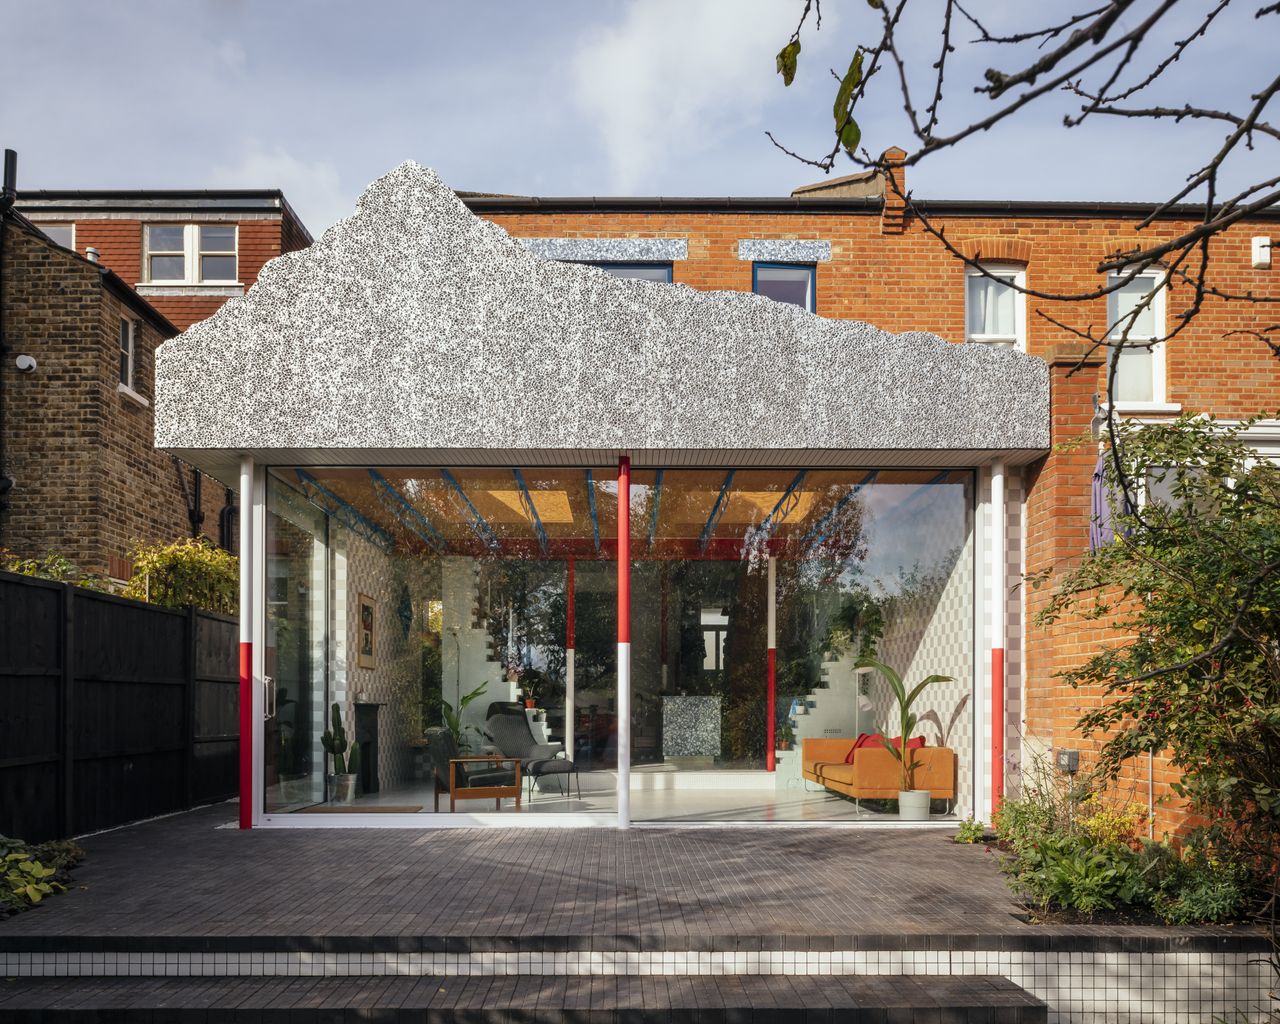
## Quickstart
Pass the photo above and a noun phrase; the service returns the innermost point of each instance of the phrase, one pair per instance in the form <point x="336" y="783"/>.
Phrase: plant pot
<point x="529" y="702"/>
<point x="342" y="789"/>
<point x="913" y="804"/>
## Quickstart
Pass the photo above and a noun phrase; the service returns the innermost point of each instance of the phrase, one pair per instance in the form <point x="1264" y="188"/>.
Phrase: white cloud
<point x="313" y="188"/>
<point x="672" y="80"/>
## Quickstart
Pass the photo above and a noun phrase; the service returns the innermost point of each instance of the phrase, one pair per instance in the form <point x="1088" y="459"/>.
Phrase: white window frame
<point x="1159" y="367"/>
<point x="128" y="331"/>
<point x="191" y="253"/>
<point x="1019" y="275"/>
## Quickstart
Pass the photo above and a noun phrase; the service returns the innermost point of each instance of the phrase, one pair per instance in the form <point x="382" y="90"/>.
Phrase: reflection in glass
<point x="492" y="591"/>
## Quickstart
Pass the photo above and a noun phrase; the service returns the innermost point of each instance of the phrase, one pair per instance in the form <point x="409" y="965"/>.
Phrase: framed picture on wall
<point x="366" y="638"/>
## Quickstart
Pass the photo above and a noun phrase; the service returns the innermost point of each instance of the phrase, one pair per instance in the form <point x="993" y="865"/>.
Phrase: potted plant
<point x="786" y="736"/>
<point x="342" y="783"/>
<point x="913" y="804"/>
<point x="453" y="717"/>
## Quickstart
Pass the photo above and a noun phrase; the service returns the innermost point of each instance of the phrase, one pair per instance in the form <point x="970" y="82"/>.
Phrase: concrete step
<point x="734" y="999"/>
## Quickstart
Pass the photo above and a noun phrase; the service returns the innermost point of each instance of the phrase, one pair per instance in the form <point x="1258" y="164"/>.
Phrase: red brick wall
<point x="120" y="242"/>
<point x="908" y="281"/>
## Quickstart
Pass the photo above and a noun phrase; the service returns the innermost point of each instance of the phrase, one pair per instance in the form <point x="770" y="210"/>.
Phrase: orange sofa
<point x="874" y="773"/>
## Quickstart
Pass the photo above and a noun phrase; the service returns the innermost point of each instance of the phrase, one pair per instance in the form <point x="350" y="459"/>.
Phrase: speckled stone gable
<point x="414" y="324"/>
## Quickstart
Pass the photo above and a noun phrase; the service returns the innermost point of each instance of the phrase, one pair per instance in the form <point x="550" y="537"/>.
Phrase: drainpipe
<point x="624" y="642"/>
<point x="7" y="199"/>
<point x="246" y="644"/>
<point x="998" y="613"/>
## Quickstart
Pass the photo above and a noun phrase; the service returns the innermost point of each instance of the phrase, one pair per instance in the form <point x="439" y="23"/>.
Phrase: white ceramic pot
<point x="913" y="804"/>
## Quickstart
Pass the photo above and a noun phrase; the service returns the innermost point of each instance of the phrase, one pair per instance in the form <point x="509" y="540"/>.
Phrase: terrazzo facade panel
<point x="609" y="250"/>
<point x="413" y="324"/>
<point x="784" y="250"/>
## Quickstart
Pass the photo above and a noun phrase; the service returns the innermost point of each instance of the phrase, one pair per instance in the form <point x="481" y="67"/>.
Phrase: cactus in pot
<point x="345" y="768"/>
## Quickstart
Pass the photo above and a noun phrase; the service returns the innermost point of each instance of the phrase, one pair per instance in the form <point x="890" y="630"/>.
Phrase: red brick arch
<point x="996" y="249"/>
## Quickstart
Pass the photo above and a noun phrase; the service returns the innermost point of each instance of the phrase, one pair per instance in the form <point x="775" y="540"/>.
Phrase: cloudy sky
<point x="557" y="97"/>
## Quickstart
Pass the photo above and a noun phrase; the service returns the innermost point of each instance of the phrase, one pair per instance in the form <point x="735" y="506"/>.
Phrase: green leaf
<point x="850" y="136"/>
<point x="787" y="61"/>
<point x="844" y="95"/>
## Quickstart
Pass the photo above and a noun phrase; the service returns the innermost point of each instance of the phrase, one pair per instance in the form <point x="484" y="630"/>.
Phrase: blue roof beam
<point x="653" y="513"/>
<point x="342" y="511"/>
<point x="717" y="510"/>
<point x="405" y="514"/>
<point x="477" y="522"/>
<point x="526" y="501"/>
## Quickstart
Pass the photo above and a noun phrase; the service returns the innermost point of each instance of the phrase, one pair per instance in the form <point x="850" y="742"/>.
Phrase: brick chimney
<point x="894" y="213"/>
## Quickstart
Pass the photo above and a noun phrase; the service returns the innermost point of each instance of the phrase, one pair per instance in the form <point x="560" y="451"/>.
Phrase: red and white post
<point x="624" y="642"/>
<point x="247" y="730"/>
<point x="569" y="715"/>
<point x="771" y="687"/>
<point x="998" y="616"/>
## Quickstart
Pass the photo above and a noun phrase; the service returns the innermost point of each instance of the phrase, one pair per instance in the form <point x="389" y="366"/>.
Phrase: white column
<point x="259" y="627"/>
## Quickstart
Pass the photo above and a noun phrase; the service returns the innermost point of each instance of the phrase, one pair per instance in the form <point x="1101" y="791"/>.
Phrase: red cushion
<point x="915" y="743"/>
<point x="865" y="739"/>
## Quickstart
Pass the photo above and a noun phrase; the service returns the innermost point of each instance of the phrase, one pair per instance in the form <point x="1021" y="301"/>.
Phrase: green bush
<point x="969" y="832"/>
<point x="186" y="572"/>
<point x="1079" y="873"/>
<point x="55" y="567"/>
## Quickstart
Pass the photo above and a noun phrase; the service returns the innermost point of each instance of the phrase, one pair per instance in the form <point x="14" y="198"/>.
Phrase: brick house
<point x="89" y="275"/>
<point x="185" y="251"/>
<point x="78" y="422"/>
<point x="844" y="250"/>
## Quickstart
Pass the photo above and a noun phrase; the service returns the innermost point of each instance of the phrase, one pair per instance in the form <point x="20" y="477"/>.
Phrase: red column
<point x="997" y="726"/>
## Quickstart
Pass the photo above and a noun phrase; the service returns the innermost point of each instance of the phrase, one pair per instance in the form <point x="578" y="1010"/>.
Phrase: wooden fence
<point x="111" y="710"/>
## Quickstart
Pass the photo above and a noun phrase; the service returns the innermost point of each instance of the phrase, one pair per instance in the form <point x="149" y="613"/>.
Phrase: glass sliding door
<point x="459" y="620"/>
<point x="862" y="562"/>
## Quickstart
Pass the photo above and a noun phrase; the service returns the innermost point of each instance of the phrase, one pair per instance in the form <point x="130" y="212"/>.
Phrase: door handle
<point x="269" y="697"/>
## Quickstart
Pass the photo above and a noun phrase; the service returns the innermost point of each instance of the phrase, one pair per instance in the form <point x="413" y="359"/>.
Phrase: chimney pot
<point x="91" y="254"/>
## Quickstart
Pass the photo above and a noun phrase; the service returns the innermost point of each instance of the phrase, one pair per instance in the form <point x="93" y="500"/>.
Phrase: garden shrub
<point x="30" y="873"/>
<point x="191" y="571"/>
<point x="970" y="831"/>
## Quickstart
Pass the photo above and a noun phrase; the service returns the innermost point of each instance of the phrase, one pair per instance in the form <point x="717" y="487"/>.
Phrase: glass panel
<point x="1124" y="300"/>
<point x="63" y="234"/>
<point x="1135" y="374"/>
<point x="431" y="605"/>
<point x="660" y="272"/>
<point x="168" y="268"/>
<point x="217" y="239"/>
<point x="785" y="284"/>
<point x="297" y="573"/>
<point x="876" y="562"/>
<point x="450" y="607"/>
<point x="992" y="308"/>
<point x="217" y="268"/>
<point x="165" y="239"/>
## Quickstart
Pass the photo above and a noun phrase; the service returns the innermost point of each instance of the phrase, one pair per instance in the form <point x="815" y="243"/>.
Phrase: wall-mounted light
<point x="25" y="364"/>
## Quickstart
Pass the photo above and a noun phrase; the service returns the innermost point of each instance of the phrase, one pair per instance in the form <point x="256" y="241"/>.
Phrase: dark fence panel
<point x="110" y="710"/>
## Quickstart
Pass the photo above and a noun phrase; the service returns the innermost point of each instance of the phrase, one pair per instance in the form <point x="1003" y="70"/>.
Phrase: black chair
<point x="508" y="727"/>
<point x="470" y="778"/>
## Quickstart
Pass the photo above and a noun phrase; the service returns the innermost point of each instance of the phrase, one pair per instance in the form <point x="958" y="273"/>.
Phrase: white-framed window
<point x="191" y="253"/>
<point x="995" y="311"/>
<point x="62" y="232"/>
<point x="1140" y="362"/>
<point x="128" y="352"/>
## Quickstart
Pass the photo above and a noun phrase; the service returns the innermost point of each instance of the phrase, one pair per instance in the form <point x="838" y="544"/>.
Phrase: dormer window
<point x="191" y="253"/>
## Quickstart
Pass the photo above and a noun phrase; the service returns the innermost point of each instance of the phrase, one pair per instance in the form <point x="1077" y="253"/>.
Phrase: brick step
<point x="937" y="999"/>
